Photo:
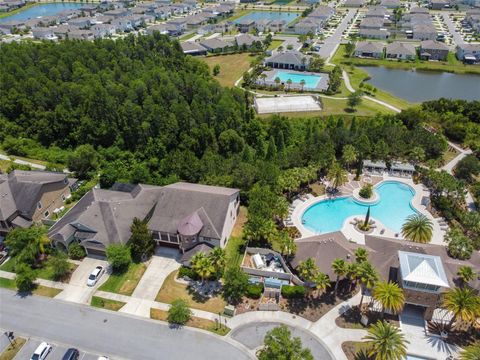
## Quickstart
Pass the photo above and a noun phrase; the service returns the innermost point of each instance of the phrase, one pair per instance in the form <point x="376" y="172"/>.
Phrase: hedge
<point x="254" y="291"/>
<point x="293" y="292"/>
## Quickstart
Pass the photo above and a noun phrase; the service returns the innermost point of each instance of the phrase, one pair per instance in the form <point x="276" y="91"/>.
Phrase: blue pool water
<point x="411" y="357"/>
<point x="392" y="209"/>
<point x="42" y="10"/>
<point x="269" y="15"/>
<point x="311" y="80"/>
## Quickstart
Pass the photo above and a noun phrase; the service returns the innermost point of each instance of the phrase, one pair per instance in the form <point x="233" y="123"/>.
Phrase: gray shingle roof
<point x="370" y="46"/>
<point x="401" y="48"/>
<point x="287" y="57"/>
<point x="433" y="45"/>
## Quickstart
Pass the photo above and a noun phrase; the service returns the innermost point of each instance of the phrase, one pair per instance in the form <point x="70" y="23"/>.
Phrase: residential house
<point x="382" y="34"/>
<point x="102" y="19"/>
<point x="44" y="34"/>
<point x="262" y="25"/>
<point x="61" y="31"/>
<point x="79" y="34"/>
<point x="215" y="45"/>
<point x="81" y="22"/>
<point x="118" y="13"/>
<point x="179" y="24"/>
<point x="372" y="23"/>
<point x="400" y="50"/>
<point x="423" y="271"/>
<point x="439" y="4"/>
<point x="164" y="29"/>
<point x="391" y="4"/>
<point x="277" y="25"/>
<point x="472" y="17"/>
<point x="102" y="30"/>
<point x="354" y="3"/>
<point x="369" y="49"/>
<point x="27" y="197"/>
<point x="193" y="48"/>
<point x="291" y="60"/>
<point x="418" y="10"/>
<point x="9" y="26"/>
<point x="179" y="215"/>
<point x="468" y="53"/>
<point x="306" y="26"/>
<point x="246" y="40"/>
<point x="322" y="14"/>
<point x="123" y="24"/>
<point x="377" y="12"/>
<point x="424" y="32"/>
<point x="433" y="50"/>
<point x="195" y="20"/>
<point x="245" y="25"/>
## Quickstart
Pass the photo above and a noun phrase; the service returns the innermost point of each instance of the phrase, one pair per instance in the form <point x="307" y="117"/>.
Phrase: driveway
<point x="161" y="265"/>
<point x="56" y="354"/>
<point x="77" y="290"/>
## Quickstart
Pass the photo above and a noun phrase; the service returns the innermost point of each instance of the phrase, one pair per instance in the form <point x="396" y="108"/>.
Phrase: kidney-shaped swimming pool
<point x="393" y="207"/>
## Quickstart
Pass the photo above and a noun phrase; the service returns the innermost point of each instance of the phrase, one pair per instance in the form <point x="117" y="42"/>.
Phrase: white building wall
<point x="230" y="219"/>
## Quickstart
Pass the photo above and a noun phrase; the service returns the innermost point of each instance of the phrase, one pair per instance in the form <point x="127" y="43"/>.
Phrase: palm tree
<point x="302" y="83"/>
<point x="471" y="352"/>
<point x="418" y="228"/>
<point x="218" y="259"/>
<point x="337" y="175"/>
<point x="352" y="274"/>
<point x="288" y="245"/>
<point x="277" y="81"/>
<point x="361" y="255"/>
<point x="390" y="297"/>
<point x="339" y="267"/>
<point x="463" y="303"/>
<point x="263" y="77"/>
<point x="386" y="342"/>
<point x="307" y="269"/>
<point x="322" y="282"/>
<point x="289" y="83"/>
<point x="466" y="274"/>
<point x="202" y="265"/>
<point x="368" y="277"/>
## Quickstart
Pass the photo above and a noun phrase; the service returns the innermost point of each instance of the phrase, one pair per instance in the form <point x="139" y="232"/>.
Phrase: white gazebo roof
<point x="422" y="268"/>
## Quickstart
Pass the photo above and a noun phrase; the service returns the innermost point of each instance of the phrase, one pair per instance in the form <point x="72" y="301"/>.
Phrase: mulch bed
<point x="460" y="336"/>
<point x="353" y="350"/>
<point x="246" y="305"/>
<point x="351" y="318"/>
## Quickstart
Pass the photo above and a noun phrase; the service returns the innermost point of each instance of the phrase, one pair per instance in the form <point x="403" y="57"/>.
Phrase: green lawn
<point x="195" y="322"/>
<point x="275" y="44"/>
<point x="172" y="290"/>
<point x="124" y="283"/>
<point x="232" y="66"/>
<point x="45" y="272"/>
<point x="11" y="351"/>
<point x="108" y="304"/>
<point x="233" y="250"/>
<point x="39" y="290"/>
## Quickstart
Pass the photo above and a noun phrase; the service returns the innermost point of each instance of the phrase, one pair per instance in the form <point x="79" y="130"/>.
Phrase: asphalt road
<point x="457" y="38"/>
<point x="252" y="335"/>
<point x="331" y="43"/>
<point x="106" y="332"/>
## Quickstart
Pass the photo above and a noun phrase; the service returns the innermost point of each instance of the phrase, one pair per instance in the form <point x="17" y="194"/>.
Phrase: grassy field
<point x="195" y="322"/>
<point x="232" y="66"/>
<point x="45" y="272"/>
<point x="172" y="290"/>
<point x="124" y="283"/>
<point x="39" y="290"/>
<point x="12" y="350"/>
<point x="275" y="44"/>
<point x="108" y="304"/>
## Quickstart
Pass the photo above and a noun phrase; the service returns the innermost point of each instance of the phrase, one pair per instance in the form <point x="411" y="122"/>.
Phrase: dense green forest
<point x="155" y="115"/>
<point x="139" y="110"/>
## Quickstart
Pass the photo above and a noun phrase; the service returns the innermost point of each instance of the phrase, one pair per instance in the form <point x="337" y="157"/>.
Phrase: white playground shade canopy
<point x="266" y="105"/>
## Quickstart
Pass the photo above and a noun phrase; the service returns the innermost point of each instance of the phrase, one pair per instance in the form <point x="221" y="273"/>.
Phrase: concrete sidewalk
<point x="43" y="282"/>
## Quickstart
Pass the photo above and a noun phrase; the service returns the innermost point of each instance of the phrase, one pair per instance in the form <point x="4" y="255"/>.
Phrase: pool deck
<point x="322" y="84"/>
<point x="354" y="235"/>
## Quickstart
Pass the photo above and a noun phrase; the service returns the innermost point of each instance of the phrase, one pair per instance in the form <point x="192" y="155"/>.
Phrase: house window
<point x="65" y="181"/>
<point x="39" y="205"/>
<point x="63" y="197"/>
<point x="46" y="213"/>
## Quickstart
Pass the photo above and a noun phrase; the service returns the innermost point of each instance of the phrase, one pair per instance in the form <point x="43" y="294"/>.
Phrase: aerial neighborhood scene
<point x="249" y="179"/>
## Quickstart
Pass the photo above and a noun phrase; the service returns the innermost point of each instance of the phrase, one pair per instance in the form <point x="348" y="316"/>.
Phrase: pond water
<point x="418" y="86"/>
<point x="269" y="15"/>
<point x="42" y="10"/>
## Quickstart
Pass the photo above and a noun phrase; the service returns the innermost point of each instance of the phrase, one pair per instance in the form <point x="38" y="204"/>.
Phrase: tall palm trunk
<point x="336" y="285"/>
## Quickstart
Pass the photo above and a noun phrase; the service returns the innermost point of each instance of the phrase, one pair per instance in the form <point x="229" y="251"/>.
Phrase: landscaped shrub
<point x="254" y="291"/>
<point x="187" y="272"/>
<point x="76" y="252"/>
<point x="59" y="265"/>
<point x="179" y="312"/>
<point x="366" y="191"/>
<point x="293" y="292"/>
<point x="25" y="278"/>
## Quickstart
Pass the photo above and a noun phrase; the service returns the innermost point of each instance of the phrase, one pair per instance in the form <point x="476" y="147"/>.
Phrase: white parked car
<point x="95" y="275"/>
<point x="103" y="358"/>
<point x="42" y="351"/>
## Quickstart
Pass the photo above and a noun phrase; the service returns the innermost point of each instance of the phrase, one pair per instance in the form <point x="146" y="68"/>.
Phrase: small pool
<point x="36" y="11"/>
<point x="391" y="210"/>
<point x="311" y="80"/>
<point x="411" y="357"/>
<point x="269" y="15"/>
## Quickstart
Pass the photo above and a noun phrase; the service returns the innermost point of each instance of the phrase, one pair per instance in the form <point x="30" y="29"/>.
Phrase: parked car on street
<point x="42" y="351"/>
<point x="71" y="354"/>
<point x="95" y="275"/>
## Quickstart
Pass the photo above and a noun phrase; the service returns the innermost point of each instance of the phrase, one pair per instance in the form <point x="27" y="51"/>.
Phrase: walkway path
<point x="42" y="282"/>
<point x="448" y="167"/>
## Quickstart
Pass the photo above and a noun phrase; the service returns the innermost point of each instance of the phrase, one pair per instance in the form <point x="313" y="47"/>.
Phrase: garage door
<point x="96" y="252"/>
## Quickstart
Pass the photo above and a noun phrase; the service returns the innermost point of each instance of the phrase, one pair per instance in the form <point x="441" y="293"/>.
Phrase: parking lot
<point x="56" y="354"/>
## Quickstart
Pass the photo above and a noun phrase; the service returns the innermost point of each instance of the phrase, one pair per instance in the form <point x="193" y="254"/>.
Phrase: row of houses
<point x="418" y="24"/>
<point x="218" y="45"/>
<point x="374" y="24"/>
<point x="9" y="5"/>
<point x="315" y="21"/>
<point x="428" y="50"/>
<point x="181" y="215"/>
<point x="472" y="17"/>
